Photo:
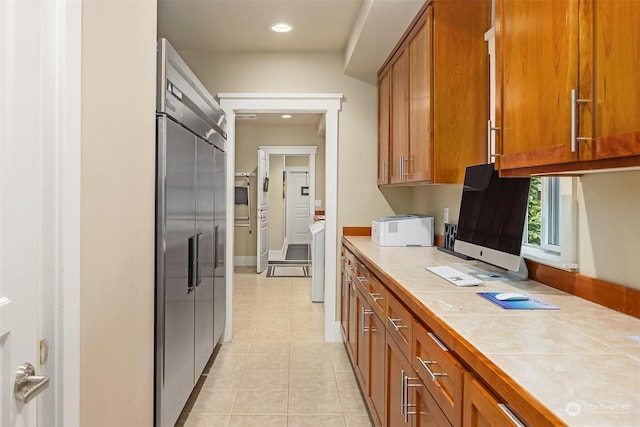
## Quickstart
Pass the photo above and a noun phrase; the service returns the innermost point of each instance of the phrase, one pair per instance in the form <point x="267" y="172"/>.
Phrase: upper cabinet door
<point x="384" y="107"/>
<point x="568" y="92"/>
<point x="537" y="54"/>
<point x="420" y="164"/>
<point x="399" y="146"/>
<point x="438" y="91"/>
<point x="616" y="68"/>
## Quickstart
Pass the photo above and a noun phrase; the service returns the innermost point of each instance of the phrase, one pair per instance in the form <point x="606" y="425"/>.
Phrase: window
<point x="549" y="237"/>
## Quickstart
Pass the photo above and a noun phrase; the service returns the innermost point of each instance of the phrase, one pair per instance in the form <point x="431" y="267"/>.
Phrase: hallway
<point x="278" y="371"/>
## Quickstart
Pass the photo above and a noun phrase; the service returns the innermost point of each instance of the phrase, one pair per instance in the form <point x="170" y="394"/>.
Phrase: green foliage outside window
<point x="534" y="216"/>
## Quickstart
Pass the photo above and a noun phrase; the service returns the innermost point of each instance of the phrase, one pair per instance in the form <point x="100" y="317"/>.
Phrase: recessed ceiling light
<point x="281" y="27"/>
<point x="286" y="116"/>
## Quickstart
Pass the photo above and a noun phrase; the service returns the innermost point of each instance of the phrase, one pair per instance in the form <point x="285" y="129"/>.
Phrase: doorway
<point x="275" y="235"/>
<point x="327" y="104"/>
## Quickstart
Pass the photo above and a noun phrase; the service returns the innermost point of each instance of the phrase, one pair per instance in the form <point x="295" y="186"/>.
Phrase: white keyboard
<point x="454" y="276"/>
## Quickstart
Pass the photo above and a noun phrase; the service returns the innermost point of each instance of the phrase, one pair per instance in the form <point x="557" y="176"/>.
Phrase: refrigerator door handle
<point x="197" y="262"/>
<point x="215" y="247"/>
<point x="191" y="264"/>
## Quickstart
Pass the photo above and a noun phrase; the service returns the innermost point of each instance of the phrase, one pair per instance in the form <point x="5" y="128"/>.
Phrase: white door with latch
<point x="30" y="208"/>
<point x="298" y="214"/>
<point x="263" y="212"/>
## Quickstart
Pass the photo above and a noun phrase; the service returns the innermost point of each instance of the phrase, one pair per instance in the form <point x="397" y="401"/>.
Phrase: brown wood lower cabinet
<point x="408" y="402"/>
<point x="344" y="303"/>
<point x="352" y="324"/>
<point x="363" y="341"/>
<point x="427" y="411"/>
<point x="397" y="369"/>
<point x="439" y="370"/>
<point x="376" y="385"/>
<point x="481" y="408"/>
<point x="407" y="374"/>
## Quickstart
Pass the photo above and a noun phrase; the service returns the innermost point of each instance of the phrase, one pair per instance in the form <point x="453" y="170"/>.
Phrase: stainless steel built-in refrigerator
<point x="190" y="232"/>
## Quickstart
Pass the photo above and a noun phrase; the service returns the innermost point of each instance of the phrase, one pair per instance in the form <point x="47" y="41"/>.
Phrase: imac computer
<point x="492" y="219"/>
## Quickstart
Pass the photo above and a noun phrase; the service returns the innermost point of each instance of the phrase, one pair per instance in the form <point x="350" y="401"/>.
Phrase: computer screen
<point x="492" y="217"/>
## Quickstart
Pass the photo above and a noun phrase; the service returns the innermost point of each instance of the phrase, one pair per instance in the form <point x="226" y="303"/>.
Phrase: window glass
<point x="551" y="224"/>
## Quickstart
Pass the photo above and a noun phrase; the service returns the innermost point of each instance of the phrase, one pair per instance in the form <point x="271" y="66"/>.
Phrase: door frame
<point x="328" y="104"/>
<point x="298" y="150"/>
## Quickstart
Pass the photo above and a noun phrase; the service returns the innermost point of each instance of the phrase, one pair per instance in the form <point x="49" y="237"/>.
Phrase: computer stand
<point x="521" y="274"/>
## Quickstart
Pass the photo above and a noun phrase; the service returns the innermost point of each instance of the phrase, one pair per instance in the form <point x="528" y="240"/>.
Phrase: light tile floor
<point x="278" y="371"/>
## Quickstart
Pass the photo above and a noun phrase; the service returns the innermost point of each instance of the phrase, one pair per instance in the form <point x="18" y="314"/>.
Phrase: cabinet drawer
<point x="481" y="408"/>
<point x="348" y="259"/>
<point x="439" y="370"/>
<point x="360" y="271"/>
<point x="399" y="323"/>
<point x="376" y="295"/>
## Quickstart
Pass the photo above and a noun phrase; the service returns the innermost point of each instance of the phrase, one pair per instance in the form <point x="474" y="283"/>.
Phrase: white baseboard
<point x="276" y="255"/>
<point x="245" y="261"/>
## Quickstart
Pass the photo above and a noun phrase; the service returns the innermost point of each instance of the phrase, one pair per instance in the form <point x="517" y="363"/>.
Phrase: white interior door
<point x="29" y="199"/>
<point x="297" y="204"/>
<point x="262" y="256"/>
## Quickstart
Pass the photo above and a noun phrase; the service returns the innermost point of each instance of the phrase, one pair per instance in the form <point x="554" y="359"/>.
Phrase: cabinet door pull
<point x="510" y="415"/>
<point x="437" y="341"/>
<point x="425" y="365"/>
<point x="404" y="395"/>
<point x="395" y="325"/>
<point x="364" y="312"/>
<point x="375" y="296"/>
<point x="574" y="120"/>
<point x="491" y="148"/>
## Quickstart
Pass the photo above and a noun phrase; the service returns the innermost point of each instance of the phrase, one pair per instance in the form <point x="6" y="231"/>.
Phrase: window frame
<point x="563" y="255"/>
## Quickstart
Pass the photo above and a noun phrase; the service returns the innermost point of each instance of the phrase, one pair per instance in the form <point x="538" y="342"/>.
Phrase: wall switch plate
<point x="318" y="203"/>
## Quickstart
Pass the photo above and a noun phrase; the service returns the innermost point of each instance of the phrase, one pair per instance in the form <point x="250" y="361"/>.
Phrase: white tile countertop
<point x="582" y="362"/>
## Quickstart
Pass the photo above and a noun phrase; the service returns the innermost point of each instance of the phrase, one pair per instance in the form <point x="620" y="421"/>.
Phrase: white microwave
<point x="403" y="230"/>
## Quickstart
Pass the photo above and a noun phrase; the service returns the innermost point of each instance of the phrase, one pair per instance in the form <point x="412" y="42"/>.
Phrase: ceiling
<point x="365" y="31"/>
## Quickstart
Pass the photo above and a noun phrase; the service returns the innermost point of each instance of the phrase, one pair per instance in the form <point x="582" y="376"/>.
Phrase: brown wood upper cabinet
<point x="433" y="96"/>
<point x="568" y="92"/>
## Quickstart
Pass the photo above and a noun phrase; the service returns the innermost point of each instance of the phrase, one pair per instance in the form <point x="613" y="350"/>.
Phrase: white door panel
<point x="297" y="205"/>
<point x="29" y="201"/>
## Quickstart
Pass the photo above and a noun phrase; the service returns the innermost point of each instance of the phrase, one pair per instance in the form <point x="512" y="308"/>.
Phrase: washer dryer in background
<point x="317" y="261"/>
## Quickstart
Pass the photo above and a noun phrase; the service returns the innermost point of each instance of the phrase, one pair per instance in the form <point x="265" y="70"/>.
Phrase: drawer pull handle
<point x="510" y="415"/>
<point x="396" y="326"/>
<point x="437" y="341"/>
<point x="432" y="375"/>
<point x="375" y="296"/>
<point x="362" y="279"/>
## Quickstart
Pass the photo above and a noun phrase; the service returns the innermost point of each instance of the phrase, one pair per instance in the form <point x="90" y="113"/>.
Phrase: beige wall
<point x="608" y="222"/>
<point x="359" y="199"/>
<point x="609" y="227"/>
<point x="248" y="138"/>
<point x="117" y="213"/>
